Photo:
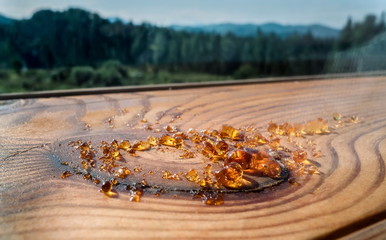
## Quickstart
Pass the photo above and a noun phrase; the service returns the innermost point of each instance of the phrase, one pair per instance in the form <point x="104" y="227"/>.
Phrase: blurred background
<point x="50" y="45"/>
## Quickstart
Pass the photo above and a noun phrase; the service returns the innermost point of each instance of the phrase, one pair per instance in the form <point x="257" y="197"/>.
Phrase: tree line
<point x="75" y="37"/>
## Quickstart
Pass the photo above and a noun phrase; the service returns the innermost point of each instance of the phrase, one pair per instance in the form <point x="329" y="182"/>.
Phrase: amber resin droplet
<point x="84" y="164"/>
<point x="135" y="195"/>
<point x="221" y="147"/>
<point x="192" y="175"/>
<point x="86" y="155"/>
<point x="260" y="139"/>
<point x="141" y="146"/>
<point x="96" y="181"/>
<point x="288" y="129"/>
<point x="231" y="133"/>
<point x="300" y="155"/>
<point x="123" y="172"/>
<point x="241" y="157"/>
<point x="107" y="186"/>
<point x="269" y="168"/>
<point x="66" y="174"/>
<point x="171" y="129"/>
<point x="108" y="191"/>
<point x="257" y="157"/>
<point x="125" y="145"/>
<point x="111" y="194"/>
<point x="114" y="144"/>
<point x="273" y="128"/>
<point x="230" y="176"/>
<point x="114" y="181"/>
<point x="275" y="143"/>
<point x="354" y="119"/>
<point x="167" y="140"/>
<point x="208" y="149"/>
<point x="293" y="182"/>
<point x="213" y="198"/>
<point x="85" y="147"/>
<point x="318" y="126"/>
<point x="337" y="116"/>
<point x="153" y="141"/>
<point x="168" y="175"/>
<point x="87" y="176"/>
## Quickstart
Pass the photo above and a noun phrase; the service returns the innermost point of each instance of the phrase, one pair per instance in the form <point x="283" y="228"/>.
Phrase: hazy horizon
<point x="172" y="12"/>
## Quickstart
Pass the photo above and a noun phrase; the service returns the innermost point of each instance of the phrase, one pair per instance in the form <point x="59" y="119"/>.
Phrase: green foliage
<point x="82" y="76"/>
<point x="4" y="74"/>
<point x="245" y="71"/>
<point x="74" y="48"/>
<point x="111" y="73"/>
<point x="76" y="37"/>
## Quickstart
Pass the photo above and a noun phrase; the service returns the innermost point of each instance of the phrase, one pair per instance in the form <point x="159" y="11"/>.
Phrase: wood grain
<point x="349" y="194"/>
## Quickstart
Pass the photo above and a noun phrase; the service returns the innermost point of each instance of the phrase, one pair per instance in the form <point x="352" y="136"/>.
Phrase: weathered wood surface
<point x="347" y="199"/>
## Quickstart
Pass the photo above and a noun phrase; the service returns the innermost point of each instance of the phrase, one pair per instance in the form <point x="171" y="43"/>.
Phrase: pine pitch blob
<point x="208" y="163"/>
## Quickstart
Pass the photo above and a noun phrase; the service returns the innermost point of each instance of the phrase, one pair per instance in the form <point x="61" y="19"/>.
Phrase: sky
<point x="333" y="13"/>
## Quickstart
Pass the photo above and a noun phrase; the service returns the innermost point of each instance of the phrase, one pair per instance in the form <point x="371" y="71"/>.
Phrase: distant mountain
<point x="248" y="30"/>
<point x="5" y="20"/>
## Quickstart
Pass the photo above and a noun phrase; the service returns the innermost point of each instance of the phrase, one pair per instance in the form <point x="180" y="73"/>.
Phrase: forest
<point x="77" y="49"/>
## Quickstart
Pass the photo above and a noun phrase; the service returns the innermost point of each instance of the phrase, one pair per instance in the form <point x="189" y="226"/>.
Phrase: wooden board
<point x="349" y="195"/>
